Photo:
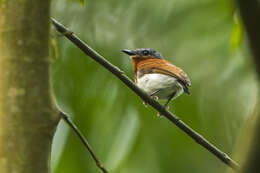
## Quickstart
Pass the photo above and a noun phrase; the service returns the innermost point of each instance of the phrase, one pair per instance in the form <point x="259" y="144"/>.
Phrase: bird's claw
<point x="155" y="97"/>
<point x="166" y="107"/>
<point x="159" y="115"/>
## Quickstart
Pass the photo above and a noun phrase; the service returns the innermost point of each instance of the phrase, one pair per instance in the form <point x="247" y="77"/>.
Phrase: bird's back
<point x="152" y="65"/>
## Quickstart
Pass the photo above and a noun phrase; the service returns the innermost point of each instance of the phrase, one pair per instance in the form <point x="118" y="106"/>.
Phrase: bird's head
<point x="143" y="53"/>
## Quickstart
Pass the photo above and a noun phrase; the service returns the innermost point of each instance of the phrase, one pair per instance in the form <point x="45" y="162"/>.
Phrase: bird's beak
<point x="129" y="52"/>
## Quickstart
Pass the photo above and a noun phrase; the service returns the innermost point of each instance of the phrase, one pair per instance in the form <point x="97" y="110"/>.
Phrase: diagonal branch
<point x="120" y="74"/>
<point x="84" y="141"/>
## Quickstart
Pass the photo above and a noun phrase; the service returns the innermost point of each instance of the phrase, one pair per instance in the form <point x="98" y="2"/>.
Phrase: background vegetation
<point x="204" y="37"/>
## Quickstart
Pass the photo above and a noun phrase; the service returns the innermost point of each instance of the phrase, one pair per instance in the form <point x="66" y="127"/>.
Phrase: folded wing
<point x="165" y="67"/>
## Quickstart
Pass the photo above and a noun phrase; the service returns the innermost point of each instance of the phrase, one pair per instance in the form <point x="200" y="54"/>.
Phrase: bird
<point x="157" y="76"/>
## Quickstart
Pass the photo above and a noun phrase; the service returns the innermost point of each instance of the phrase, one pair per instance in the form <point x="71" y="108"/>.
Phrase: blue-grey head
<point x="143" y="53"/>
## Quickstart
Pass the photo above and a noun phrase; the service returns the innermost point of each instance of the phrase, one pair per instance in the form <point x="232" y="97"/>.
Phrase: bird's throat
<point x="135" y="61"/>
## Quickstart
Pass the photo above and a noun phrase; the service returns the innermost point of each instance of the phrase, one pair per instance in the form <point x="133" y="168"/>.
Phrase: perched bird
<point x="156" y="76"/>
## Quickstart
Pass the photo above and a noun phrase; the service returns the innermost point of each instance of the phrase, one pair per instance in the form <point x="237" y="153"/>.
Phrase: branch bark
<point x="120" y="74"/>
<point x="27" y="119"/>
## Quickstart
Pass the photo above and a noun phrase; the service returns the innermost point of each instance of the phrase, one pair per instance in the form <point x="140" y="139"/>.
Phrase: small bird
<point x="156" y="76"/>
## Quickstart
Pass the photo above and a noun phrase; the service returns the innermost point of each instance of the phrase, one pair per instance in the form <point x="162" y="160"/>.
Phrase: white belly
<point x="164" y="84"/>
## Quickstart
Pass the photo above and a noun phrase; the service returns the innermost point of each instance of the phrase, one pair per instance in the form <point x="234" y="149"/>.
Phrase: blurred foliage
<point x="82" y="2"/>
<point x="237" y="33"/>
<point x="201" y="36"/>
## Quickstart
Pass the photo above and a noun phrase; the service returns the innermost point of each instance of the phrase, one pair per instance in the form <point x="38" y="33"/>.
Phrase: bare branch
<point x="83" y="140"/>
<point x="118" y="73"/>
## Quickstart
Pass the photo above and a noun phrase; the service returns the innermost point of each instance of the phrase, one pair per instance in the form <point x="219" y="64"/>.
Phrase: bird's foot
<point x="166" y="107"/>
<point x="159" y="115"/>
<point x="155" y="97"/>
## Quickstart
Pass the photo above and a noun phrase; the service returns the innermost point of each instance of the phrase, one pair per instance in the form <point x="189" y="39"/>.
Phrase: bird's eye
<point x="145" y="52"/>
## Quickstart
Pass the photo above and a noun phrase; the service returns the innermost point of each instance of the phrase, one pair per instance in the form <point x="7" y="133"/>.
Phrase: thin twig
<point x="83" y="140"/>
<point x="118" y="73"/>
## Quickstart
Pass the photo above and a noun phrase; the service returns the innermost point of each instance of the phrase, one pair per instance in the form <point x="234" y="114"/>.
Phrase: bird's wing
<point x="165" y="67"/>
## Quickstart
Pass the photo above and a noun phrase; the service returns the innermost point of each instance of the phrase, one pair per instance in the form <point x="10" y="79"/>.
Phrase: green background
<point x="203" y="37"/>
